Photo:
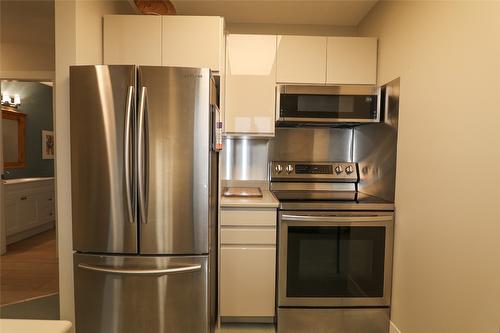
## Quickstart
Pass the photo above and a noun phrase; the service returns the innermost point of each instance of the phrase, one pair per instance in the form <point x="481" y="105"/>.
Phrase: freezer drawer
<point x="122" y="294"/>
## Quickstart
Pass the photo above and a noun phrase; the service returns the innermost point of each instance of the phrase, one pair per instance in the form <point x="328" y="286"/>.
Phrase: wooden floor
<point x="29" y="269"/>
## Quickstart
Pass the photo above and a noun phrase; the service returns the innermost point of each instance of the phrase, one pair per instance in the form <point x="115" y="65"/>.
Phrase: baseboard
<point x="30" y="232"/>
<point x="394" y="329"/>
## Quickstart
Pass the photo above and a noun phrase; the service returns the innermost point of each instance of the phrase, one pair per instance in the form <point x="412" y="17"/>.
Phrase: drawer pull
<point x="50" y="199"/>
<point x="24" y="198"/>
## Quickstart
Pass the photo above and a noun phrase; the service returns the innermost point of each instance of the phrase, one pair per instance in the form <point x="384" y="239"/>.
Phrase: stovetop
<point x="321" y="186"/>
<point x="360" y="201"/>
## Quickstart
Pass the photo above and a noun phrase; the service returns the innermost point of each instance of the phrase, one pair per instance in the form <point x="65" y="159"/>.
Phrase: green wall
<point x="36" y="103"/>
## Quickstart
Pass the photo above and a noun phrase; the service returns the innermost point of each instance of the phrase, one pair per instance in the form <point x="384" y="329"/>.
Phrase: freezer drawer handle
<point x="309" y="218"/>
<point x="167" y="271"/>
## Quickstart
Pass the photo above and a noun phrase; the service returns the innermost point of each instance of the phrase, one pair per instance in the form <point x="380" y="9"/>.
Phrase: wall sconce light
<point x="17" y="100"/>
<point x="6" y="99"/>
<point x="11" y="101"/>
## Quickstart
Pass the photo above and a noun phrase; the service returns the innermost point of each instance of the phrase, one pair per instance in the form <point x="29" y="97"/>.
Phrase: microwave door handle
<point x="135" y="271"/>
<point x="335" y="218"/>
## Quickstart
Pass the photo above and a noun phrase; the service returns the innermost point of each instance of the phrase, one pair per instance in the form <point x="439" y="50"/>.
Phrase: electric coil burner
<point x="335" y="250"/>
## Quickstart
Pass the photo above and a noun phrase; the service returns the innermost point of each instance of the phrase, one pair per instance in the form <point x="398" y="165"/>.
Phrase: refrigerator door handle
<point x="166" y="271"/>
<point x="127" y="153"/>
<point x="143" y="155"/>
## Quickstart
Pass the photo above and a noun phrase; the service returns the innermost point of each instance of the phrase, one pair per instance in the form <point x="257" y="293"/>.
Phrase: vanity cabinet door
<point x="250" y="84"/>
<point x="27" y="211"/>
<point x="11" y="217"/>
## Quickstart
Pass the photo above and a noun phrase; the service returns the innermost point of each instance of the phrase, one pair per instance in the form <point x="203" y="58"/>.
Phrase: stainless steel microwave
<point x="296" y="104"/>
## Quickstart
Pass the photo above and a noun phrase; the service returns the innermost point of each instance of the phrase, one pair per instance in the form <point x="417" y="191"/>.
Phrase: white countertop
<point x="25" y="180"/>
<point x="268" y="200"/>
<point x="31" y="326"/>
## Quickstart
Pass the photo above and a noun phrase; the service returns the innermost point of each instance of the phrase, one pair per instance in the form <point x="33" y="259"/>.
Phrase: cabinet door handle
<point x="50" y="199"/>
<point x="24" y="198"/>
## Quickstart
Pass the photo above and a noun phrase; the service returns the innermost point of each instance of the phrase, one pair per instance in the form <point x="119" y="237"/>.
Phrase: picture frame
<point x="48" y="145"/>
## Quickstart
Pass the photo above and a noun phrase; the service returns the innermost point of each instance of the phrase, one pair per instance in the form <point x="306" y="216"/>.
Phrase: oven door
<point x="335" y="258"/>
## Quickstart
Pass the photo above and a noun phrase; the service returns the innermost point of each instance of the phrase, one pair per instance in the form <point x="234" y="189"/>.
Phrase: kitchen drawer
<point x="248" y="217"/>
<point x="250" y="236"/>
<point x="247" y="281"/>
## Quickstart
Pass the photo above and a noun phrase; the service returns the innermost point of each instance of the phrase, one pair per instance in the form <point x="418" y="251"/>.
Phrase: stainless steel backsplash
<point x="311" y="144"/>
<point x="375" y="148"/>
<point x="244" y="159"/>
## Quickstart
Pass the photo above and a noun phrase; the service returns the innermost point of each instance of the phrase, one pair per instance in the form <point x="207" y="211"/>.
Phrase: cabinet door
<point x="301" y="59"/>
<point x="351" y="60"/>
<point x="250" y="84"/>
<point x="193" y="41"/>
<point x="132" y="40"/>
<point x="27" y="211"/>
<point x="11" y="216"/>
<point x="247" y="281"/>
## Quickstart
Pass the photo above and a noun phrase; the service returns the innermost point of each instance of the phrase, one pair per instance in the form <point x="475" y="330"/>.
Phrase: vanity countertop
<point x="39" y="326"/>
<point x="25" y="180"/>
<point x="267" y="200"/>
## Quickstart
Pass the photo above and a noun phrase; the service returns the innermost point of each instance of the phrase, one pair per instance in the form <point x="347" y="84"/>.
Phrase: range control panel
<point x="314" y="171"/>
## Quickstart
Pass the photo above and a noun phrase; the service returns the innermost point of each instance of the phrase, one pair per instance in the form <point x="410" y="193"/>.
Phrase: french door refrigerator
<point x="144" y="198"/>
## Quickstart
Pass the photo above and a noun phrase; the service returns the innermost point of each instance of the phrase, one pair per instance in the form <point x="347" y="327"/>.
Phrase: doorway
<point x="28" y="265"/>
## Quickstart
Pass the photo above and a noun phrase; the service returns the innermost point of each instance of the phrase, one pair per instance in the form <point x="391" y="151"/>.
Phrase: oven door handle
<point x="337" y="218"/>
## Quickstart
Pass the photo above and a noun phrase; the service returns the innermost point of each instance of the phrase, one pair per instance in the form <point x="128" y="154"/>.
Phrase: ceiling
<point x="325" y="12"/>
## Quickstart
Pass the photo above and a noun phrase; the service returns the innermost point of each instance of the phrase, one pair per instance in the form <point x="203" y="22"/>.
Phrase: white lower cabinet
<point x="247" y="280"/>
<point x="29" y="209"/>
<point x="247" y="263"/>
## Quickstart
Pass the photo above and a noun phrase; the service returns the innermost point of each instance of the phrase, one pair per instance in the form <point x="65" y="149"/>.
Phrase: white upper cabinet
<point x="301" y="59"/>
<point x="184" y="41"/>
<point x="351" y="60"/>
<point x="250" y="84"/>
<point x="132" y="39"/>
<point x="193" y="41"/>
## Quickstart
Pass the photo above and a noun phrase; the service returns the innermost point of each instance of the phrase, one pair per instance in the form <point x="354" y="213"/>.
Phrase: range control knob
<point x="338" y="169"/>
<point x="349" y="169"/>
<point x="278" y="168"/>
<point x="289" y="168"/>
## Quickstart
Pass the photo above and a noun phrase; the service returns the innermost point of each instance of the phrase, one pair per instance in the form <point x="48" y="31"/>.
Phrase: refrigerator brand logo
<point x="197" y="76"/>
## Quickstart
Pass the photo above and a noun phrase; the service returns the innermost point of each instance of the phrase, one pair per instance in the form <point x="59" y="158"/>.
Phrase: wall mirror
<point x="13" y="133"/>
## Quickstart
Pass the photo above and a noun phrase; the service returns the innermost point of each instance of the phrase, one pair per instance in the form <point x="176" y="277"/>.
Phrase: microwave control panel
<point x="314" y="171"/>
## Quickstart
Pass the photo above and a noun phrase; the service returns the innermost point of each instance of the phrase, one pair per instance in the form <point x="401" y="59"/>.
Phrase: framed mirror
<point x="13" y="132"/>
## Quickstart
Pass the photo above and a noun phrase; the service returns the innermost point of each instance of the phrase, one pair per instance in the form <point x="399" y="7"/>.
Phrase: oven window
<point x="335" y="261"/>
<point x="328" y="106"/>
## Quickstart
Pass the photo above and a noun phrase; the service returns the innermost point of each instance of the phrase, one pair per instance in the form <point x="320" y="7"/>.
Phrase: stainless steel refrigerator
<point x="144" y="198"/>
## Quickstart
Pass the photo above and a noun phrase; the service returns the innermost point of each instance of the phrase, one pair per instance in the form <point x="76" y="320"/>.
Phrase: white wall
<point x="447" y="246"/>
<point x="78" y="35"/>
<point x="290" y="29"/>
<point x="27" y="39"/>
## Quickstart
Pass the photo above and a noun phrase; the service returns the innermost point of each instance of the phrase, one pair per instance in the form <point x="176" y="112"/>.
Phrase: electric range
<point x="335" y="249"/>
